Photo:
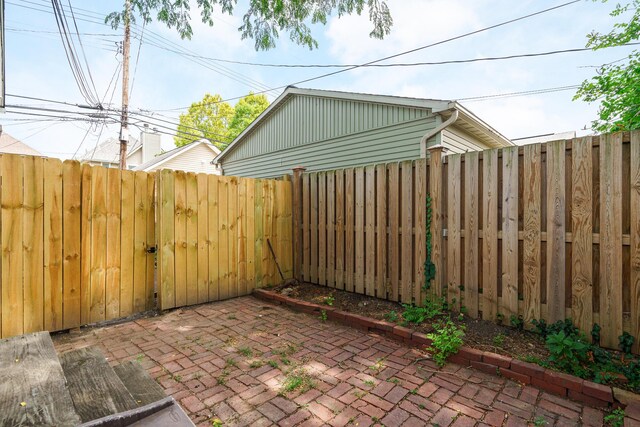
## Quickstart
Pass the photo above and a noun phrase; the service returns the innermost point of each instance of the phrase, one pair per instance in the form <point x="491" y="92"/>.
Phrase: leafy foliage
<point x="263" y="20"/>
<point x="626" y="342"/>
<point x="615" y="418"/>
<point x="568" y="353"/>
<point x="616" y="85"/>
<point x="446" y="340"/>
<point x="429" y="266"/>
<point x="431" y="309"/>
<point x="218" y="121"/>
<point x="392" y="316"/>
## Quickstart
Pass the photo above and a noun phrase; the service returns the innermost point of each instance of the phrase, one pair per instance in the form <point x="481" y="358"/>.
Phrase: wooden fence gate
<point x="219" y="237"/>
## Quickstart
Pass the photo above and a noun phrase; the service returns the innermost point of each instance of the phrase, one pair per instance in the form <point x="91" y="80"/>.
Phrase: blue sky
<point x="164" y="80"/>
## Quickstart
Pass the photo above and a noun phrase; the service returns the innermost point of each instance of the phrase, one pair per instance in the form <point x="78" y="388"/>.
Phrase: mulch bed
<point x="480" y="334"/>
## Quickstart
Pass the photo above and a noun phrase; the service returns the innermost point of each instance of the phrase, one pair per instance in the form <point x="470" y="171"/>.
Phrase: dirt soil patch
<point x="480" y="334"/>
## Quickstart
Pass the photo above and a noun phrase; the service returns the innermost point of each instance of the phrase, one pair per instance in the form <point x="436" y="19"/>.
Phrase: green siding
<point x="303" y="120"/>
<point x="387" y="144"/>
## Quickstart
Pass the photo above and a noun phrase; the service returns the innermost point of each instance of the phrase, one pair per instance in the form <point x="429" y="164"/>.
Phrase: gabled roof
<point x="468" y="120"/>
<point x="165" y="157"/>
<point x="10" y="145"/>
<point x="108" y="151"/>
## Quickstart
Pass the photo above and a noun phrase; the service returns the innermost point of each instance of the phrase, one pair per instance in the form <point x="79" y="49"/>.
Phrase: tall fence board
<point x="71" y="244"/>
<point x="545" y="231"/>
<point x="217" y="236"/>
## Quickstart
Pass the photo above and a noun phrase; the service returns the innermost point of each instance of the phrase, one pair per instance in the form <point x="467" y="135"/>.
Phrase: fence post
<point x="435" y="191"/>
<point x="297" y="217"/>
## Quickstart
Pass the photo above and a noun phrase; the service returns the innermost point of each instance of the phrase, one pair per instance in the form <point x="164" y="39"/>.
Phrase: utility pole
<point x="124" y="128"/>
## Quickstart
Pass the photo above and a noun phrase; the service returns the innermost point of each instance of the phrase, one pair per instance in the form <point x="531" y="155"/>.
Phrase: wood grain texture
<point x="251" y="234"/>
<point x="191" y="217"/>
<point x="381" y="231"/>
<point x="490" y="235"/>
<point x="12" y="253"/>
<point x="141" y="386"/>
<point x="393" y="284"/>
<point x="180" y="232"/>
<point x="94" y="387"/>
<point x="166" y="240"/>
<point x="634" y="290"/>
<point x="510" y="232"/>
<point x="471" y="224"/>
<point x="611" y="240"/>
<point x="138" y="252"/>
<point x="349" y="238"/>
<point x="406" y="251"/>
<point x="129" y="227"/>
<point x="98" y="244"/>
<point x="313" y="228"/>
<point x="233" y="221"/>
<point x="370" y="230"/>
<point x="322" y="228"/>
<point x="359" y="230"/>
<point x="152" y="242"/>
<point x="420" y="220"/>
<point x="340" y="229"/>
<point x="555" y="231"/>
<point x="112" y="273"/>
<point x="85" y="244"/>
<point x="435" y="190"/>
<point x="71" y="243"/>
<point x="53" y="255"/>
<point x="224" y="236"/>
<point x="203" y="238"/>
<point x="32" y="243"/>
<point x="214" y="230"/>
<point x="454" y="246"/>
<point x="242" y="236"/>
<point x="31" y="373"/>
<point x="259" y="232"/>
<point x="306" y="236"/>
<point x="582" y="233"/>
<point x="331" y="229"/>
<point x="531" y="257"/>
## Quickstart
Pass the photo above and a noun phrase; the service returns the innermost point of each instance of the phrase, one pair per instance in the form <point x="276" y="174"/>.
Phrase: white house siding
<point x="458" y="141"/>
<point x="134" y="159"/>
<point x="197" y="159"/>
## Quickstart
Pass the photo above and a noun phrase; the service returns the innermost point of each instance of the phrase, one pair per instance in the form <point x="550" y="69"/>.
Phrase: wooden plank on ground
<point x="406" y="253"/>
<point x="381" y="231"/>
<point x="251" y="234"/>
<point x="349" y="238"/>
<point x="331" y="229"/>
<point x="611" y="240"/>
<point x="393" y="284"/>
<point x="203" y="238"/>
<point x="95" y="388"/>
<point x="213" y="236"/>
<point x="340" y="229"/>
<point x="313" y="228"/>
<point x="242" y="236"/>
<point x="32" y="249"/>
<point x="359" y="230"/>
<point x="454" y="203"/>
<point x="71" y="212"/>
<point x="509" y="232"/>
<point x="112" y="274"/>
<point x="322" y="228"/>
<point x="85" y="243"/>
<point x="152" y="242"/>
<point x="531" y="257"/>
<point x="129" y="207"/>
<point x="98" y="243"/>
<point x="137" y="251"/>
<point x="471" y="224"/>
<point x="191" y="217"/>
<point x="31" y="373"/>
<point x="181" y="238"/>
<point x="141" y="386"/>
<point x="490" y="234"/>
<point x="166" y="240"/>
<point x="635" y="237"/>
<point x="370" y="230"/>
<point x="582" y="233"/>
<point x="555" y="231"/>
<point x="233" y="218"/>
<point x="223" y="239"/>
<point x="420" y="213"/>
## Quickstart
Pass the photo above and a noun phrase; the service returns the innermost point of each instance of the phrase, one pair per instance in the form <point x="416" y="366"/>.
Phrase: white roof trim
<point x="182" y="150"/>
<point x="480" y="124"/>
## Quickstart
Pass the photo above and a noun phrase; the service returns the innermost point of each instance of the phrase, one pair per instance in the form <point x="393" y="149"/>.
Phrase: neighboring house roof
<point x="10" y="145"/>
<point x="466" y="119"/>
<point x="545" y="138"/>
<point x="108" y="151"/>
<point x="157" y="161"/>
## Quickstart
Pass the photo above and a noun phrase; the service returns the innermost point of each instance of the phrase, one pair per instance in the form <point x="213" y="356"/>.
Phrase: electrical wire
<point x="135" y="68"/>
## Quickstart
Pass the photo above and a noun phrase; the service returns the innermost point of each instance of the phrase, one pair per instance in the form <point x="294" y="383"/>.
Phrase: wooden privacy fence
<point x="74" y="244"/>
<point x="544" y="231"/>
<point x="214" y="234"/>
<point x="363" y="229"/>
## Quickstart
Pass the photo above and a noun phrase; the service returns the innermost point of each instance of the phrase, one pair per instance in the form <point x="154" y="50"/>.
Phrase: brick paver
<point x="231" y="359"/>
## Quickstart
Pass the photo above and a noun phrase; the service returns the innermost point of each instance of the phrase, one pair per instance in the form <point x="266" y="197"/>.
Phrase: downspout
<point x="435" y="131"/>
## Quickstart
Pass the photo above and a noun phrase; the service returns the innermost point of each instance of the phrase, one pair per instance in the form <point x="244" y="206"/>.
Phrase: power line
<point x="522" y="93"/>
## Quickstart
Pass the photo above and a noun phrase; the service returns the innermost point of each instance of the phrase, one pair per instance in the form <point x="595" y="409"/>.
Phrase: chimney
<point x="150" y="144"/>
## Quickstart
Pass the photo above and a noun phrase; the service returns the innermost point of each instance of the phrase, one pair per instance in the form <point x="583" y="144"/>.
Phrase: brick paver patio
<point x="229" y="360"/>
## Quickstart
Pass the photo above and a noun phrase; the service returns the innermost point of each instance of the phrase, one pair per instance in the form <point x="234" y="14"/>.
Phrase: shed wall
<point x="457" y="140"/>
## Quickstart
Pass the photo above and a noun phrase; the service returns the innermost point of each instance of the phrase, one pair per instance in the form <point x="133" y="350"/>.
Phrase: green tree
<point x="218" y="121"/>
<point x="616" y="86"/>
<point x="263" y="20"/>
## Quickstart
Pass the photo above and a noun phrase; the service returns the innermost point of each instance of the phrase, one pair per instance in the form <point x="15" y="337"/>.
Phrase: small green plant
<point x="568" y="353"/>
<point x="517" y="322"/>
<point x="297" y="379"/>
<point x="540" y="327"/>
<point x="140" y="358"/>
<point x="329" y="300"/>
<point x="273" y="363"/>
<point x="499" y="318"/>
<point x="464" y="309"/>
<point x="626" y="341"/>
<point x="615" y="418"/>
<point x="359" y="394"/>
<point x="245" y="351"/>
<point x="369" y="383"/>
<point x="323" y="315"/>
<point x="498" y="340"/>
<point x="393" y="380"/>
<point x="391" y="316"/>
<point x="285" y="361"/>
<point x="231" y="362"/>
<point x="632" y="372"/>
<point x="216" y="422"/>
<point x="413" y="391"/>
<point x="430" y="309"/>
<point x="232" y="317"/>
<point x="177" y="378"/>
<point x="421" y="406"/>
<point x="539" y="421"/>
<point x="256" y="364"/>
<point x="378" y="366"/>
<point x="446" y="340"/>
<point x="595" y="334"/>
